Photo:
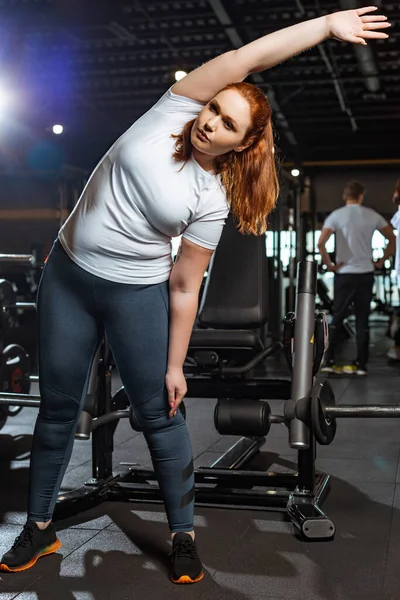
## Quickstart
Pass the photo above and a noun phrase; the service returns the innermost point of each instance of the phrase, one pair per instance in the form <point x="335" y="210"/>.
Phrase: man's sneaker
<point x="332" y="368"/>
<point x="349" y="369"/>
<point x="31" y="544"/>
<point x="361" y="372"/>
<point x="354" y="370"/>
<point x="393" y="353"/>
<point x="186" y="565"/>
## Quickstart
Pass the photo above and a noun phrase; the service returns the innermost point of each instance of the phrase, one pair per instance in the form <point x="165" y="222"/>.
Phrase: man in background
<point x="354" y="226"/>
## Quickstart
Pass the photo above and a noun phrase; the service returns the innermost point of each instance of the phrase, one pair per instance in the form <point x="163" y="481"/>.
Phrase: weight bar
<point x="25" y="260"/>
<point x="382" y="411"/>
<point x="24" y="305"/>
<point x="324" y="412"/>
<point x="8" y="297"/>
<point x="20" y="400"/>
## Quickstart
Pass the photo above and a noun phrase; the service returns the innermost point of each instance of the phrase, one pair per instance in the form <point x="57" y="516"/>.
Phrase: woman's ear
<point x="241" y="148"/>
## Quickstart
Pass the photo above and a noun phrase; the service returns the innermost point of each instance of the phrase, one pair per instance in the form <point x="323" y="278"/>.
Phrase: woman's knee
<point x="57" y="406"/>
<point x="159" y="423"/>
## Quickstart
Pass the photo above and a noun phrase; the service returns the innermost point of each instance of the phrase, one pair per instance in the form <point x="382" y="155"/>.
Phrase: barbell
<point x="324" y="412"/>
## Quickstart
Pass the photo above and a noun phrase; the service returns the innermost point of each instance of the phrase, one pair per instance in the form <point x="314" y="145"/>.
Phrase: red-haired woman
<point x="204" y="148"/>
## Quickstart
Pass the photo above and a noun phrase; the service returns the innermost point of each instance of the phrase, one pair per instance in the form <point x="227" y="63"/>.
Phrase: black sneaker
<point x="31" y="544"/>
<point x="186" y="565"/>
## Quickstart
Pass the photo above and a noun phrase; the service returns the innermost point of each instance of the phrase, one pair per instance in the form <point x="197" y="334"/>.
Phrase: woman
<point x="394" y="352"/>
<point x="205" y="147"/>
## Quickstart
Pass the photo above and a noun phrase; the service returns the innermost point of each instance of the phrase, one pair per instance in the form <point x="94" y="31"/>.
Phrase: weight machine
<point x="221" y="364"/>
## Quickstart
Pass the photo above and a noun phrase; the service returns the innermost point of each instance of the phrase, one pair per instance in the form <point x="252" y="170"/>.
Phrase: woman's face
<point x="222" y="124"/>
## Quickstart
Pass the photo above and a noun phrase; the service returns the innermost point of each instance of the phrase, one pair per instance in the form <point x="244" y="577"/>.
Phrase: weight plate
<point x="323" y="427"/>
<point x="14" y="370"/>
<point x="14" y="375"/>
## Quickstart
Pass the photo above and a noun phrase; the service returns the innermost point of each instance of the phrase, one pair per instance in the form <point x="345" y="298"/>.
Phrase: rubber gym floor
<point x="119" y="550"/>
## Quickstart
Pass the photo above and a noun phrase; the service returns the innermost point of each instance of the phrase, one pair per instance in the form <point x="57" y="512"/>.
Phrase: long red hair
<point x="250" y="177"/>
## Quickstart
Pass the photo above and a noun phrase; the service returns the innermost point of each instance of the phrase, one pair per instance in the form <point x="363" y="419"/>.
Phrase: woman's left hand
<point x="177" y="388"/>
<point x="356" y="26"/>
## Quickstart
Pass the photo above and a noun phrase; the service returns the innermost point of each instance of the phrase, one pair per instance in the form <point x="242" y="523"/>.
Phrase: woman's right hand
<point x="177" y="388"/>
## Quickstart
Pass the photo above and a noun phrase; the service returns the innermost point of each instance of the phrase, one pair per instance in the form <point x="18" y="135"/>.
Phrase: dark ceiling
<point x="96" y="66"/>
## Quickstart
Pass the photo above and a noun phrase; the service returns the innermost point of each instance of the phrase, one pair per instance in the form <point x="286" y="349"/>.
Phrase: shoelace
<point x="25" y="537"/>
<point x="185" y="548"/>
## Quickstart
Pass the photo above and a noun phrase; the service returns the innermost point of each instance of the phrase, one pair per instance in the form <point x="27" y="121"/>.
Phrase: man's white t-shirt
<point x="139" y="197"/>
<point x="354" y="226"/>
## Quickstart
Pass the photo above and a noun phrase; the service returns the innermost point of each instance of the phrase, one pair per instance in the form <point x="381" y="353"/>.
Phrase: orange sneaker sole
<point x="48" y="550"/>
<point x="187" y="579"/>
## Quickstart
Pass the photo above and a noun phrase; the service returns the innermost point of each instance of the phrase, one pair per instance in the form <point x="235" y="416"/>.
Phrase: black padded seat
<point x="225" y="338"/>
<point x="236" y="291"/>
<point x="234" y="304"/>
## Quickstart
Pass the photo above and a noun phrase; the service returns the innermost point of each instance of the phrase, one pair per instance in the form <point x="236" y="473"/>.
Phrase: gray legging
<point x="74" y="310"/>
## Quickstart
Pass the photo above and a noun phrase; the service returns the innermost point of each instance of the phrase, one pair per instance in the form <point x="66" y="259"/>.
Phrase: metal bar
<point x="20" y="400"/>
<point x="102" y="438"/>
<point x="306" y="466"/>
<point x="270" y="351"/>
<point x="24" y="305"/>
<point x="27" y="260"/>
<point x="116" y="415"/>
<point x="224" y="478"/>
<point x="363" y="410"/>
<point x="277" y="419"/>
<point x="321" y="488"/>
<point x="258" y="388"/>
<point x="210" y="497"/>
<point x="303" y="357"/>
<point x="239" y="454"/>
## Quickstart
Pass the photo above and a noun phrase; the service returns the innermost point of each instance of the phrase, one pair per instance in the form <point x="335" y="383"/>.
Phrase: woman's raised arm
<point x="355" y="26"/>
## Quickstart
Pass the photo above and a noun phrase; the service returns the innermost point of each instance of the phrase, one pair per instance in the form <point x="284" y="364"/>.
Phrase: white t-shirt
<point x="137" y="199"/>
<point x="354" y="226"/>
<point x="396" y="224"/>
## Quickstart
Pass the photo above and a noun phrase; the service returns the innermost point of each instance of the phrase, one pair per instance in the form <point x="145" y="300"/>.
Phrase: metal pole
<point x="20" y="400"/>
<point x="292" y="261"/>
<point x="353" y="410"/>
<point x="303" y="357"/>
<point x="27" y="260"/>
<point x="23" y="305"/>
<point x="300" y="253"/>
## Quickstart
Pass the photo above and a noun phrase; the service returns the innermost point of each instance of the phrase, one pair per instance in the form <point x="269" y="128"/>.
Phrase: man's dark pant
<point x="352" y="288"/>
<point x="397" y="334"/>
